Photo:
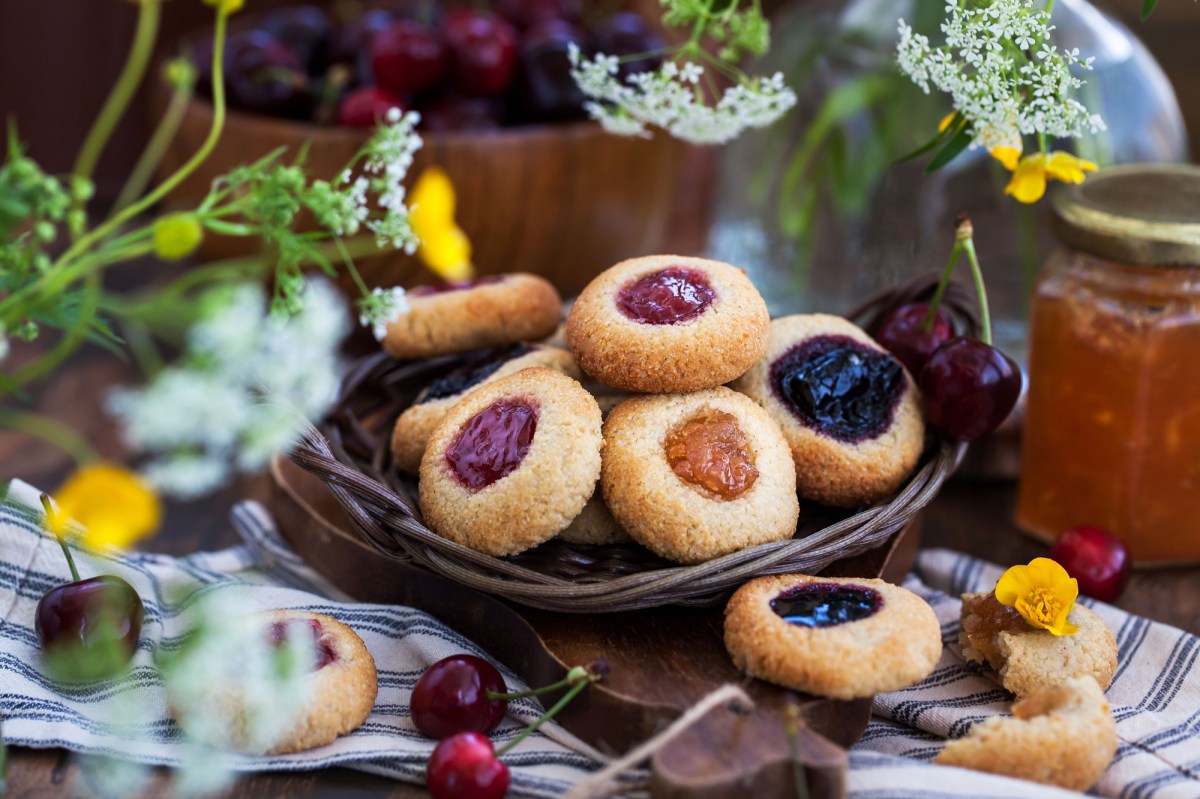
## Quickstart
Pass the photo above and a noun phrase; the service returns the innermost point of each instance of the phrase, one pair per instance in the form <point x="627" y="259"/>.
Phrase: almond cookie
<point x="472" y="314"/>
<point x="666" y="323"/>
<point x="595" y="525"/>
<point x="695" y="476"/>
<point x="340" y="692"/>
<point x="832" y="636"/>
<point x="848" y="408"/>
<point x="1061" y="735"/>
<point x="512" y="463"/>
<point x="1027" y="658"/>
<point x="412" y="429"/>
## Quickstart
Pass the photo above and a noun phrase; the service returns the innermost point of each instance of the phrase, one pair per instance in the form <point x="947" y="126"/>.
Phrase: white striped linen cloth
<point x="1155" y="697"/>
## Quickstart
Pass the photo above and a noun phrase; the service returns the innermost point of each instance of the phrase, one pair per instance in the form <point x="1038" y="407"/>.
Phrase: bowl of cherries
<point x="540" y="187"/>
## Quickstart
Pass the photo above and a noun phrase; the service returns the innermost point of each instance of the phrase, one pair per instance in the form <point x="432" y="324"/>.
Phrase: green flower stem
<point x="985" y="319"/>
<point x="927" y="322"/>
<point x="122" y="92"/>
<point x="549" y="714"/>
<point x="69" y="342"/>
<point x="50" y="430"/>
<point x="348" y="260"/>
<point x="156" y="148"/>
<point x="62" y="542"/>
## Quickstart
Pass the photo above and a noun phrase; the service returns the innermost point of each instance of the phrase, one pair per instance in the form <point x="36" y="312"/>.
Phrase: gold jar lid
<point x="1146" y="214"/>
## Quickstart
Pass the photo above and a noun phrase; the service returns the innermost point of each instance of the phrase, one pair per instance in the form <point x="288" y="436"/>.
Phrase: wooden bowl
<point x="563" y="201"/>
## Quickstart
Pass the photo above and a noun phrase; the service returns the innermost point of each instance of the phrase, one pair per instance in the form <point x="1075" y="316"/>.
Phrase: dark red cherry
<point x="969" y="388"/>
<point x="1096" y="558"/>
<point x="627" y="34"/>
<point x="526" y="14"/>
<point x="902" y="333"/>
<point x="667" y="297"/>
<point x="366" y="106"/>
<point x="89" y="629"/>
<point x="305" y="30"/>
<point x="263" y="75"/>
<point x="492" y="443"/>
<point x="548" y="92"/>
<point x="408" y="56"/>
<point x="323" y="653"/>
<point x="450" y="112"/>
<point x="483" y="51"/>
<point x="464" y="766"/>
<point x="451" y="697"/>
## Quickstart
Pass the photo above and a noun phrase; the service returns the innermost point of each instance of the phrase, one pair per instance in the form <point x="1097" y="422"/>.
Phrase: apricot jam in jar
<point x="1112" y="430"/>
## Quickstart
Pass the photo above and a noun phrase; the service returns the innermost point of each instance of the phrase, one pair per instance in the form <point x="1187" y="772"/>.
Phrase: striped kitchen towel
<point x="129" y="720"/>
<point x="1155" y="697"/>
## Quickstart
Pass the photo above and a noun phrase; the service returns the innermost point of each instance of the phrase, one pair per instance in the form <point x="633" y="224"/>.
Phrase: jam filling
<point x="323" y="653"/>
<point x="983" y="619"/>
<point x="453" y="285"/>
<point x="710" y="452"/>
<point x="668" y="297"/>
<point x="492" y="443"/>
<point x="839" y="387"/>
<point x="826" y="604"/>
<point x="471" y="374"/>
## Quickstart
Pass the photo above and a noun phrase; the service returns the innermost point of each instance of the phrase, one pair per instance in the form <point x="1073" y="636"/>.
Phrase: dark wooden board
<point x="662" y="660"/>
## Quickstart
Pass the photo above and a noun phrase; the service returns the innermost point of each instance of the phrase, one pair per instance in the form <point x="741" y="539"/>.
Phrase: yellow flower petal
<point x="1028" y="182"/>
<point x="946" y="120"/>
<point x="448" y="253"/>
<point x="1009" y="156"/>
<point x="113" y="505"/>
<point x="1067" y="168"/>
<point x="1042" y="592"/>
<point x="432" y="200"/>
<point x="444" y="248"/>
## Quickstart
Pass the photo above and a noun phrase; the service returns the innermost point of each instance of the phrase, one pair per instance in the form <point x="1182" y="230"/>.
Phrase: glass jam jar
<point x="1112" y="429"/>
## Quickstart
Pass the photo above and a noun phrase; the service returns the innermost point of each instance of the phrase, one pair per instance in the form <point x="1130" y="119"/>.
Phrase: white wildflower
<point x="388" y="157"/>
<point x="247" y="384"/>
<point x="383" y="307"/>
<point x="669" y="98"/>
<point x="985" y="67"/>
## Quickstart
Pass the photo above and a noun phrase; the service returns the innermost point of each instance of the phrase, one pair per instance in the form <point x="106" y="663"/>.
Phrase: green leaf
<point x="1148" y="7"/>
<point x="956" y="145"/>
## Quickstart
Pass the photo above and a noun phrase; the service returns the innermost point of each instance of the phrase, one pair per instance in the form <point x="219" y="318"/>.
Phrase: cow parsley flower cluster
<point x="246" y="385"/>
<point x="381" y="308"/>
<point x="389" y="155"/>
<point x="671" y="98"/>
<point x="1004" y="74"/>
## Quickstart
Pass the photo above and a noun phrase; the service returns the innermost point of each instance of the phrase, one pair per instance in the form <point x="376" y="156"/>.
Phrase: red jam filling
<point x="668" y="297"/>
<point x="492" y="443"/>
<point x="323" y="653"/>
<point x="826" y="604"/>
<point x="453" y="285"/>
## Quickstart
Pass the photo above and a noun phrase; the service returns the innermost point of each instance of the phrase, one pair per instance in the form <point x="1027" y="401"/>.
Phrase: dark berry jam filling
<point x="668" y="297"/>
<point x="453" y="285"/>
<point x="492" y="443"/>
<point x="473" y="373"/>
<point x="323" y="653"/>
<point x="839" y="387"/>
<point x="826" y="604"/>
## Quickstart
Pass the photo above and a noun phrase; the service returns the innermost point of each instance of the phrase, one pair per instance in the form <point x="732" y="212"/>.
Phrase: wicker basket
<point x="350" y="454"/>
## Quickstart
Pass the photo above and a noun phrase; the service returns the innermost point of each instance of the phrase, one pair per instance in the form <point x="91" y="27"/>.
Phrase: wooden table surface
<point x="969" y="516"/>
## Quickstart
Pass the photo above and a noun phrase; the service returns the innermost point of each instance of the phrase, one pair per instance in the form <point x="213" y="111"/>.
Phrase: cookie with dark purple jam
<point x="512" y="463"/>
<point x="668" y="324"/>
<point x="490" y="311"/>
<point x="847" y="407"/>
<point x="842" y="637"/>
<point x="414" y="426"/>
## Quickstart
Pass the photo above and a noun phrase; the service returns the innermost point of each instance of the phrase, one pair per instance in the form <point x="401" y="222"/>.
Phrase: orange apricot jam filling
<point x="711" y="453"/>
<point x="983" y="619"/>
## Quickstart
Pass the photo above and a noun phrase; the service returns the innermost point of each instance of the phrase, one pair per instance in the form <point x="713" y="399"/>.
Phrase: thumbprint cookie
<point x="412" y="429"/>
<point x="665" y="323"/>
<point x="838" y="637"/>
<point x="847" y="407"/>
<point x="594" y="525"/>
<point x="695" y="476"/>
<point x="512" y="463"/>
<point x="467" y="315"/>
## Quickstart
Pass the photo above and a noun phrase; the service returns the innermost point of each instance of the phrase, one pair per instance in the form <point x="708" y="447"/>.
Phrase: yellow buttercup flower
<point x="444" y="247"/>
<point x="1042" y="592"/>
<point x="1030" y="173"/>
<point x="113" y="505"/>
<point x="176" y="236"/>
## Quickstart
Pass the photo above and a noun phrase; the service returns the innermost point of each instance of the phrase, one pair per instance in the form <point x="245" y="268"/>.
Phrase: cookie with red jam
<point x="666" y="323"/>
<point x="843" y="638"/>
<point x="512" y="463"/>
<point x="847" y="407"/>
<point x="414" y="426"/>
<point x="341" y="690"/>
<point x="695" y="476"/>
<point x="472" y="314"/>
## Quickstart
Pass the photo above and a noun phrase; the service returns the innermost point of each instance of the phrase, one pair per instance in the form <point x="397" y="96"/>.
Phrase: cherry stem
<point x="931" y="314"/>
<point x="581" y="678"/>
<point x="61" y="541"/>
<point x="573" y="676"/>
<point x="985" y="319"/>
